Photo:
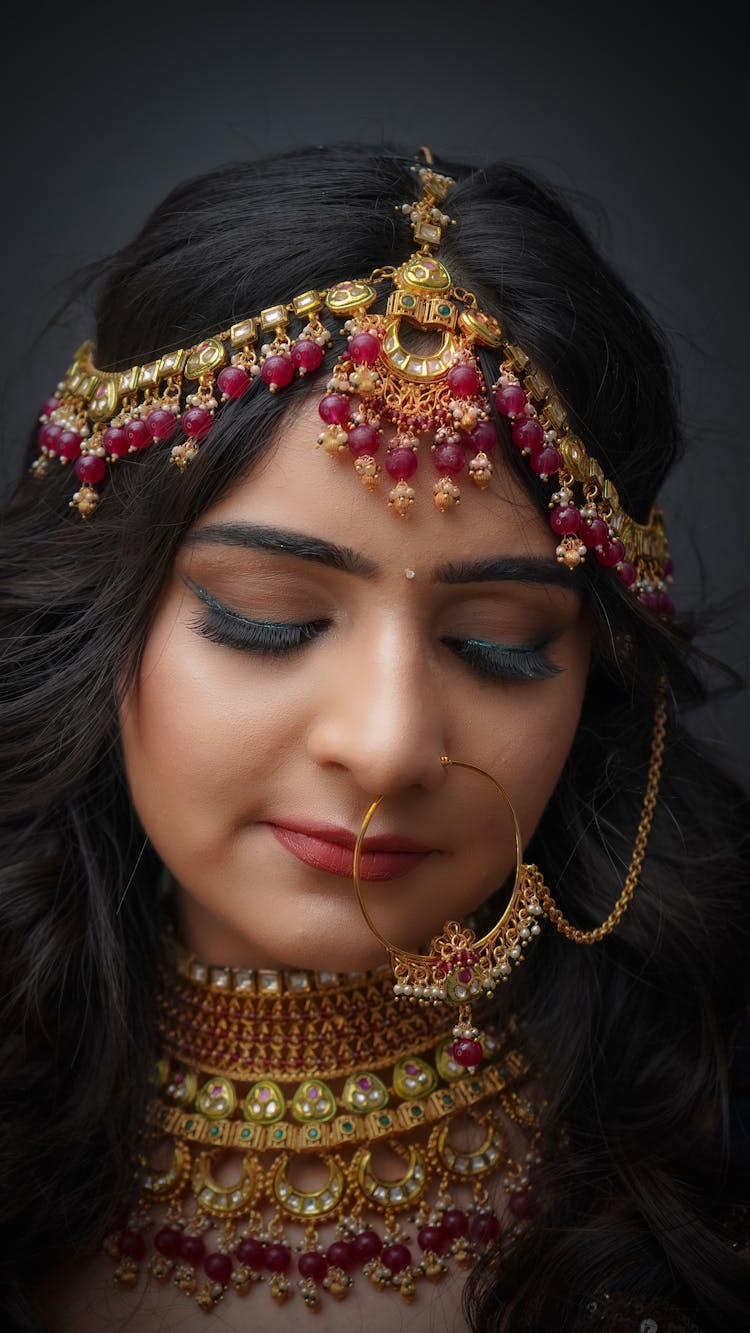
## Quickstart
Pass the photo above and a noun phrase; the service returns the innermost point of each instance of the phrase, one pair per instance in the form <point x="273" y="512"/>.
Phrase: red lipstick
<point x="330" y="848"/>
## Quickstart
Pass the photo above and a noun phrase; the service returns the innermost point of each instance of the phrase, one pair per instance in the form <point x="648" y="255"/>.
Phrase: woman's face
<point x="312" y="651"/>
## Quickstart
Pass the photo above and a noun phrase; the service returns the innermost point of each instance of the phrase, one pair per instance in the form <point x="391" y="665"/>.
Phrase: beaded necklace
<point x="260" y="1071"/>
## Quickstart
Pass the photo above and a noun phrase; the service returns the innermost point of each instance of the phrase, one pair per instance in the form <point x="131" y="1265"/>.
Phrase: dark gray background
<point x="639" y="111"/>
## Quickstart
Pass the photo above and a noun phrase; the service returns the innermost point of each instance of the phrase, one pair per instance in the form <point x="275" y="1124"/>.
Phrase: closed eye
<point x="499" y="661"/>
<point x="494" y="661"/>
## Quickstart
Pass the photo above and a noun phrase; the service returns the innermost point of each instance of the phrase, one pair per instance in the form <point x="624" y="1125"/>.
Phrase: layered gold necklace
<point x="263" y="1074"/>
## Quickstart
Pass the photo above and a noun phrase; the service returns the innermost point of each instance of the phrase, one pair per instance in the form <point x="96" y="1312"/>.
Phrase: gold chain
<point x="557" y="918"/>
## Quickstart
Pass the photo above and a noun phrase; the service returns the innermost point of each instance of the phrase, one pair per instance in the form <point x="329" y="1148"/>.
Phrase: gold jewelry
<point x="347" y="1091"/>
<point x="460" y="968"/>
<point x="97" y="417"/>
<point x="593" y="936"/>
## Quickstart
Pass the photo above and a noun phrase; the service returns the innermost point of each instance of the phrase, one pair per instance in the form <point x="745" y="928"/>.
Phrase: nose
<point x="379" y="715"/>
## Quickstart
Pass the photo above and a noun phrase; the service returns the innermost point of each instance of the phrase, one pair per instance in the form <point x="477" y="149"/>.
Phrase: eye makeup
<point x="485" y="657"/>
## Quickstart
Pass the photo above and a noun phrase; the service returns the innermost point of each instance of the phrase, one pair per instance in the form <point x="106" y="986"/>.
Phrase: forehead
<point x="296" y="485"/>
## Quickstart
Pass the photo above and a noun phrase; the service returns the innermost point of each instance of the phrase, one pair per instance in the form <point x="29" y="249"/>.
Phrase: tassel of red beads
<point x="179" y="1256"/>
<point x="458" y="425"/>
<point x="581" y="528"/>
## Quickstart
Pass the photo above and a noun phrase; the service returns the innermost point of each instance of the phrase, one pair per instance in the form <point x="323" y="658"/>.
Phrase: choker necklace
<point x="262" y="1074"/>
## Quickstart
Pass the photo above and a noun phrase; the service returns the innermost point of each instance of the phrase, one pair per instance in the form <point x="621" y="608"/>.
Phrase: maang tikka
<point x="436" y="400"/>
<point x="378" y="381"/>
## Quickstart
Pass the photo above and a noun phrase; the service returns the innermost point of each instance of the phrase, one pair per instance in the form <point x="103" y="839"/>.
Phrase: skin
<point x="220" y="741"/>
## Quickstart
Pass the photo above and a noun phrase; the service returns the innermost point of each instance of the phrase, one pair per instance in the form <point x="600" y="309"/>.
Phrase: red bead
<point x="364" y="348"/>
<point x="50" y="406"/>
<point x="218" y="1267"/>
<point x="522" y="1203"/>
<point x="115" y="441"/>
<point x="364" y="439"/>
<point x="565" y="518"/>
<point x="278" y="371"/>
<point x="466" y="1053"/>
<point x="510" y="400"/>
<point x="659" y="602"/>
<point x="434" y="1239"/>
<point x="69" y="444"/>
<point x="250" y="1252"/>
<point x="306" y="355"/>
<point x="484" y="1227"/>
<point x="132" y="1244"/>
<point x="192" y="1249"/>
<point x="463" y="381"/>
<point x="401" y="463"/>
<point x="367" y="1245"/>
<point x="138" y="433"/>
<point x="167" y="1242"/>
<point x="449" y="458"/>
<point x="48" y="436"/>
<point x="611" y="553"/>
<point x="161" y="423"/>
<point x="455" y="1222"/>
<point x="341" y="1254"/>
<point x="482" y="438"/>
<point x="545" y="462"/>
<point x="627" y="572"/>
<point x="334" y="409"/>
<point x="312" y="1265"/>
<point x="277" y="1258"/>
<point x="396" y="1257"/>
<point x="528" y="433"/>
<point x="233" y="381"/>
<point x="196" y="422"/>
<point x="594" y="533"/>
<point x="90" y="468"/>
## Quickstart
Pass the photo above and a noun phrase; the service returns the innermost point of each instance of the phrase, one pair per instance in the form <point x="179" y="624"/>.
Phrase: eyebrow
<point x="280" y="541"/>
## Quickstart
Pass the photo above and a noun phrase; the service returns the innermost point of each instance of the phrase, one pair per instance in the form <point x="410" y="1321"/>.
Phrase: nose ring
<point x="459" y="969"/>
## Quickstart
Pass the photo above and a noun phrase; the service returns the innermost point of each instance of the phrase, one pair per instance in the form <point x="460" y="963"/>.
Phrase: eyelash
<point x="273" y="639"/>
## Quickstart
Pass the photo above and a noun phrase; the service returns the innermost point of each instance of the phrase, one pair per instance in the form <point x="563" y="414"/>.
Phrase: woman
<point x="261" y="722"/>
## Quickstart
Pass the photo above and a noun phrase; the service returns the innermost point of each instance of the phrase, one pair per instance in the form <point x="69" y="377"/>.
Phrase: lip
<point x="331" y="848"/>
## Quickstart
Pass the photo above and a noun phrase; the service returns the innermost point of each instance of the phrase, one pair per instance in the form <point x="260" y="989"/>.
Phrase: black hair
<point x="633" y="1037"/>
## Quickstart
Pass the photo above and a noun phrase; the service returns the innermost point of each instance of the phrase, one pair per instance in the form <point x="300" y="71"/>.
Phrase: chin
<point x="343" y="952"/>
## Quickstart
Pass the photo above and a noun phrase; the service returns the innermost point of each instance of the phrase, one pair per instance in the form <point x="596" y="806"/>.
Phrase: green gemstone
<point x="416" y="1110"/>
<point x="347" y="1126"/>
<point x="189" y="1124"/>
<point x="447" y="1099"/>
<point x="245" y="1134"/>
<point x="164" y="1115"/>
<point x="278" y="1133"/>
<point x="214" y="1130"/>
<point x="444" y="309"/>
<point x="408" y="301"/>
<point x="312" y="1133"/>
<point x="475" y="1087"/>
<point x="384" y="1119"/>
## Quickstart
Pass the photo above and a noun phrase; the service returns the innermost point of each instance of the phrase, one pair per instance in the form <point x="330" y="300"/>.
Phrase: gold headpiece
<point x="97" y="417"/>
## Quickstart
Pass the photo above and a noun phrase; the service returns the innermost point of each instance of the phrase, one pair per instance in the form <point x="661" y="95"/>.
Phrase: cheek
<point x="196" y="742"/>
<point x="524" y="741"/>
